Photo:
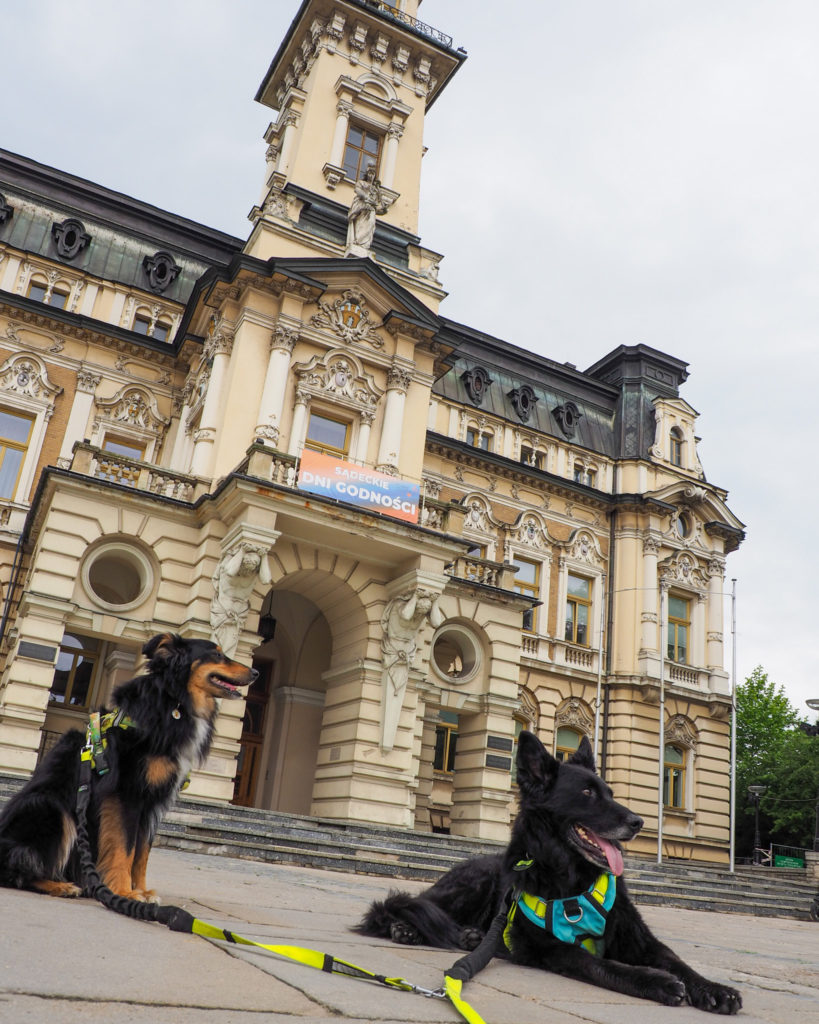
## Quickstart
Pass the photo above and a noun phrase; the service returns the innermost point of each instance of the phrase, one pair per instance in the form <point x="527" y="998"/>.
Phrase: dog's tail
<point x="412" y="920"/>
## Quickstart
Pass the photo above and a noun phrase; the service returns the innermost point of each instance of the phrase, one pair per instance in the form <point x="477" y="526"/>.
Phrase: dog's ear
<point x="584" y="755"/>
<point x="161" y="645"/>
<point x="168" y="656"/>
<point x="537" y="768"/>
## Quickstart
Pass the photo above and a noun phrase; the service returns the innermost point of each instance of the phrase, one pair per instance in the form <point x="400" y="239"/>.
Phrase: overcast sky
<point x="600" y="172"/>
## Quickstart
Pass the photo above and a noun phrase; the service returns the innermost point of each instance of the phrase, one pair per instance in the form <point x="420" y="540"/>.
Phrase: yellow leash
<point x="325" y="962"/>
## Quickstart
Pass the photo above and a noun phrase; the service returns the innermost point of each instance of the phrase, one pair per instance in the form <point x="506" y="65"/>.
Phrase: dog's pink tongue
<point x="613" y="855"/>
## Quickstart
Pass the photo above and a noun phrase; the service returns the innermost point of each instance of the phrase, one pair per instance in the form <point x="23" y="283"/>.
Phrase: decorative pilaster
<point x="80" y="414"/>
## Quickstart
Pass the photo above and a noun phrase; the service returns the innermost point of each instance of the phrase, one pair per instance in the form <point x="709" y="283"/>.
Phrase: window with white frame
<point x="27" y="399"/>
<point x="15" y="435"/>
<point x="578" y="609"/>
<point x="527" y="581"/>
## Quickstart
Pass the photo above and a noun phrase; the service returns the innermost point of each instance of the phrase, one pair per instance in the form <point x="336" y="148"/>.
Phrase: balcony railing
<point x="419" y="26"/>
<point x="477" y="570"/>
<point x="142" y="476"/>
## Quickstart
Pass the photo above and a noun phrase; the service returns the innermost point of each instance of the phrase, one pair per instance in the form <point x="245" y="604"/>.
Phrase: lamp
<point x="813" y="704"/>
<point x="755" y="793"/>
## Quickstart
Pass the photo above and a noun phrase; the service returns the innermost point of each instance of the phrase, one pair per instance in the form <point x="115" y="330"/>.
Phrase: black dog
<point x="161" y="728"/>
<point x="569" y="911"/>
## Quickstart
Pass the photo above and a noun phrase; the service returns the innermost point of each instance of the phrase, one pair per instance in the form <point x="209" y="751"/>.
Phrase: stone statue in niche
<point x="233" y="582"/>
<point x="368" y="202"/>
<point x="401" y="622"/>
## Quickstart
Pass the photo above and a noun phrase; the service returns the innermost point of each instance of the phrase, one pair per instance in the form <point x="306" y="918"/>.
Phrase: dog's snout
<point x="254" y="675"/>
<point x="635" y="822"/>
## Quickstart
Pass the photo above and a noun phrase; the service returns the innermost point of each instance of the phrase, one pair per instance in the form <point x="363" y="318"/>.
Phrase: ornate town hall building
<point x="425" y="538"/>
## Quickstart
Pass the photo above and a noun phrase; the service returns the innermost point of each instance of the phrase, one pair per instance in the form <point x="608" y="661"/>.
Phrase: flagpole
<point x="663" y="642"/>
<point x="733" y="786"/>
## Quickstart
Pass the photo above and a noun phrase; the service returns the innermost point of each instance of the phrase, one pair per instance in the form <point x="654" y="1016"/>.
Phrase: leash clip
<point x="430" y="993"/>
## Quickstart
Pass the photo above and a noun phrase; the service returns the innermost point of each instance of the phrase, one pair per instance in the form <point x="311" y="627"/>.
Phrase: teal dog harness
<point x="577" y="920"/>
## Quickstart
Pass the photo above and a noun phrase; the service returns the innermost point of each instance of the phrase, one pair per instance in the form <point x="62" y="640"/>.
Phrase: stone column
<point x="394" y="133"/>
<point x="179" y="461"/>
<point x="283" y="339"/>
<point x="78" y="417"/>
<point x="714" y="637"/>
<point x="649" y="652"/>
<point x="343" y="109"/>
<point x="218" y="347"/>
<point x="398" y="382"/>
<point x="289" y="121"/>
<point x="365" y="427"/>
<point x="299" y="425"/>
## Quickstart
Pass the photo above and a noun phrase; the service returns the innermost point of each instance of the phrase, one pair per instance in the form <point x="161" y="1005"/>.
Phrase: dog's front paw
<point x="714" y="998"/>
<point x="404" y="933"/>
<point x="470" y="938"/>
<point x="666" y="989"/>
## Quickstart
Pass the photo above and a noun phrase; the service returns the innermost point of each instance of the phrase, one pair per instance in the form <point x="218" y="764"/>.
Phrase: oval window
<point x="456" y="653"/>
<point x="117" y="576"/>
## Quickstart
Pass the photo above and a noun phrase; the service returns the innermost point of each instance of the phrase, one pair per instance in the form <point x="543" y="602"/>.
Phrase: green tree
<point x="773" y="750"/>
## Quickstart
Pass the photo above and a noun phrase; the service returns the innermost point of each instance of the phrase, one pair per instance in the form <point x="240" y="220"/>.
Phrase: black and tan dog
<point x="569" y="911"/>
<point x="162" y="727"/>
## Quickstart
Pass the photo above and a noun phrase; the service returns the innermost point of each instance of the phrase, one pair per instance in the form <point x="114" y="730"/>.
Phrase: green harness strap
<point x="179" y="920"/>
<point x="93" y="758"/>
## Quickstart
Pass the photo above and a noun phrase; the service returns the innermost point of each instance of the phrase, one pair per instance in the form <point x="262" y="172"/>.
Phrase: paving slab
<point x="74" y="962"/>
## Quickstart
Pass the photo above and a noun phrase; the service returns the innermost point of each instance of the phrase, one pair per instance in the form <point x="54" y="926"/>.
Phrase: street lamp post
<point x="755" y="793"/>
<point x="813" y="704"/>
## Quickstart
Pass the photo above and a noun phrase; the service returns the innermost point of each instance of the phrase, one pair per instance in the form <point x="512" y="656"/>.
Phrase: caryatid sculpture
<point x="233" y="582"/>
<point x="401" y="622"/>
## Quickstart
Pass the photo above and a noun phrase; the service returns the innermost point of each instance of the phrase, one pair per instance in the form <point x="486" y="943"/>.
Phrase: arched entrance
<point x="283" y="715"/>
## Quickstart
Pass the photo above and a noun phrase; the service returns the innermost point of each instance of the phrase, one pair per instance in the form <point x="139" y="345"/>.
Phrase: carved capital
<point x="398" y="379"/>
<point x="87" y="381"/>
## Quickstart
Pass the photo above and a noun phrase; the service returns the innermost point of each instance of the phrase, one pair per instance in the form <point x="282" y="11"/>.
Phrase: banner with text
<point x="358" y="485"/>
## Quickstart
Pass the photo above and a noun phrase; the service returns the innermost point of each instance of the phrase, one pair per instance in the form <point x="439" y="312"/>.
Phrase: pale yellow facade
<point x="166" y="413"/>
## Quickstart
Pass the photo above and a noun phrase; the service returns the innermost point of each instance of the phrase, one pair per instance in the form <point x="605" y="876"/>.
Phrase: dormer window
<point x="362" y="148"/>
<point x="675" y="454"/>
<point x="53" y="297"/>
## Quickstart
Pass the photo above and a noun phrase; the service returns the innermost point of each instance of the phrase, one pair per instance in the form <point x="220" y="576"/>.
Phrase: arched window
<point x="566" y="742"/>
<point x="675" y="452"/>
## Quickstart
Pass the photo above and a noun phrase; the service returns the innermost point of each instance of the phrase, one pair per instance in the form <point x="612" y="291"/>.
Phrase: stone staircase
<point x="398" y="853"/>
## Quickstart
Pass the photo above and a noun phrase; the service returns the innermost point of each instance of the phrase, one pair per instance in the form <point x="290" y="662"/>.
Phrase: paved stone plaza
<point x="67" y="962"/>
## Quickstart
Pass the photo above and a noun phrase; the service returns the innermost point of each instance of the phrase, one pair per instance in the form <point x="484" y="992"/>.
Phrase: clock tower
<point x="351" y="84"/>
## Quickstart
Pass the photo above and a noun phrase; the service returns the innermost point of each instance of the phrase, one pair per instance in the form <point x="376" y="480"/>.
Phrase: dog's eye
<point x="588" y="792"/>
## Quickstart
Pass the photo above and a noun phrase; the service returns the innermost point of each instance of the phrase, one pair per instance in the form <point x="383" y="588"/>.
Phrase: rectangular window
<point x="362" y="149"/>
<point x="446" y="738"/>
<point x="74" y="672"/>
<point x="477" y="439"/>
<point x="58" y="299"/>
<point x="123" y="446"/>
<point x="679" y="626"/>
<point x="142" y="325"/>
<point x="578" y="610"/>
<point x="529" y="457"/>
<point x="527" y="581"/>
<point x="160" y="331"/>
<point x="674" y="777"/>
<point x="328" y="435"/>
<point x="37" y="292"/>
<point x="15" y="434"/>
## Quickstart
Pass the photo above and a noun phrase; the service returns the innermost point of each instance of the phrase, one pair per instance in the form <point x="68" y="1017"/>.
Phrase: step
<point x="379" y="850"/>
